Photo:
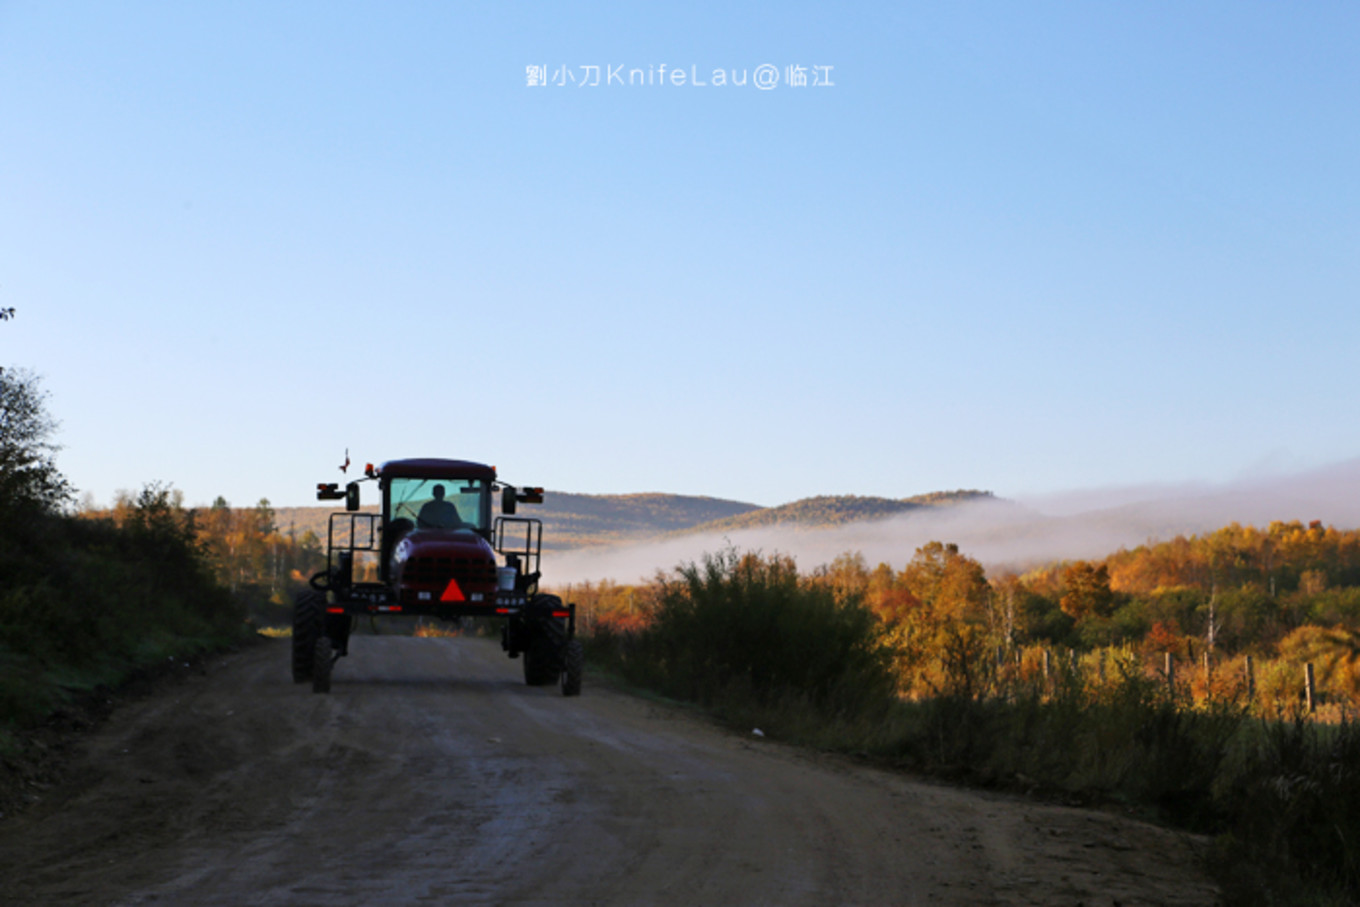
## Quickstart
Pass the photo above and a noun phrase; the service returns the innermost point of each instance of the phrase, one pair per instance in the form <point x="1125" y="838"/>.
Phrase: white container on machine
<point x="505" y="578"/>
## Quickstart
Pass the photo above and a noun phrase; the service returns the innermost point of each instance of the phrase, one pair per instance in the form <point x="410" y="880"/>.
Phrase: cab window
<point x="439" y="503"/>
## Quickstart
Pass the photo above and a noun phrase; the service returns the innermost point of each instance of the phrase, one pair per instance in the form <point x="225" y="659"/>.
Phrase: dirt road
<point x="431" y="774"/>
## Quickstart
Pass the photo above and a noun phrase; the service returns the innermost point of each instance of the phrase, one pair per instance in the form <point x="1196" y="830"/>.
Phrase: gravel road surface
<point x="432" y="774"/>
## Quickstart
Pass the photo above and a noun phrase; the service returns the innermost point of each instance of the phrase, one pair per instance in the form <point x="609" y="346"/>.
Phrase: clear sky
<point x="1024" y="247"/>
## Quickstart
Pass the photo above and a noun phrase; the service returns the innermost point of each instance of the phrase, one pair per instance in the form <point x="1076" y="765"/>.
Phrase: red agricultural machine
<point x="432" y="552"/>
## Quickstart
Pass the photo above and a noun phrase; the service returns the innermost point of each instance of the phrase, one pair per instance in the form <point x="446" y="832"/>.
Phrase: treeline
<point x="1239" y="588"/>
<point x="1286" y="591"/>
<point x="256" y="560"/>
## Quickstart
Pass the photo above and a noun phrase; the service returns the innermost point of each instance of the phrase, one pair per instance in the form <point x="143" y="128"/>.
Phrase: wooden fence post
<point x="1310" y="690"/>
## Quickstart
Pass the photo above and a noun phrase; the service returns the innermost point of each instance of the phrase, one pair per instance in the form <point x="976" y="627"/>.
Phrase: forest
<point x="1287" y="595"/>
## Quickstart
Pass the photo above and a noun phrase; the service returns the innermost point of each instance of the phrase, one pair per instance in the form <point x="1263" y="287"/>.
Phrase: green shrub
<point x="744" y="628"/>
<point x="84" y="602"/>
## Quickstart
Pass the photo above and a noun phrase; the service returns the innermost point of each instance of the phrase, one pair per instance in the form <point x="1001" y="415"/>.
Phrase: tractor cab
<point x="434" y="542"/>
<point x="437" y="528"/>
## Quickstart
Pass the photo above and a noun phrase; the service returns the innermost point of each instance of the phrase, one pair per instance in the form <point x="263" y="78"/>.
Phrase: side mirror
<point x="508" y="501"/>
<point x="352" y="496"/>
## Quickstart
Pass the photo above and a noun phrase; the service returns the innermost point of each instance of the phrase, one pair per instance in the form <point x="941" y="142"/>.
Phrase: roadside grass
<point x="435" y="631"/>
<point x="85" y="604"/>
<point x="1279" y="797"/>
<point x="740" y="636"/>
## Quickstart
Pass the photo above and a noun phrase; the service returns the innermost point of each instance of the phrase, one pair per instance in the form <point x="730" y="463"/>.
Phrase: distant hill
<point x="579" y="520"/>
<point x="574" y="520"/>
<point x="584" y="520"/>
<point x="826" y="511"/>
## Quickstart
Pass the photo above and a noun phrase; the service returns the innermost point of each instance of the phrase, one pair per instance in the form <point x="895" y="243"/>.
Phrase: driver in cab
<point x="439" y="513"/>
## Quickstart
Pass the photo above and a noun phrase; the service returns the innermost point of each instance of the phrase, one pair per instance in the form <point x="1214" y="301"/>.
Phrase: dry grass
<point x="435" y="631"/>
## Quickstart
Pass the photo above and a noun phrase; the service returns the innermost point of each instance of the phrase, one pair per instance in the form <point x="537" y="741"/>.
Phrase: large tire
<point x="573" y="666"/>
<point x="307" y="613"/>
<point x="540" y="662"/>
<point x="324" y="663"/>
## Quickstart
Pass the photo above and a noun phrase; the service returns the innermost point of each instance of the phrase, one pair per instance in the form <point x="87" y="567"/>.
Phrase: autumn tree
<point x="943" y="641"/>
<point x="887" y="595"/>
<point x="1086" y="591"/>
<point x="949" y="584"/>
<point x="847" y="576"/>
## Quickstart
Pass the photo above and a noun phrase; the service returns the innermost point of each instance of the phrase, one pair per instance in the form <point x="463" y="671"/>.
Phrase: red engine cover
<point x="424" y="561"/>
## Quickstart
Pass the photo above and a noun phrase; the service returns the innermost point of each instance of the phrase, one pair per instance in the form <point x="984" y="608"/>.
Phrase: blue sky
<point x="1026" y="247"/>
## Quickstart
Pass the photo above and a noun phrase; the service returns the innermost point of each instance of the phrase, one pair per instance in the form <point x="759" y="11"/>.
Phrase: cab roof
<point x="437" y="469"/>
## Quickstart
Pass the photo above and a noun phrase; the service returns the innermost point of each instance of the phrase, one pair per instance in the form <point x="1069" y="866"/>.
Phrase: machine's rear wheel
<point x="540" y="662"/>
<point x="324" y="663"/>
<point x="306" y="631"/>
<point x="573" y="665"/>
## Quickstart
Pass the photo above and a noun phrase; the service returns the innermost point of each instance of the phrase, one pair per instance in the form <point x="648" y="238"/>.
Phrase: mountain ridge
<point x="828" y="511"/>
<point x="572" y="520"/>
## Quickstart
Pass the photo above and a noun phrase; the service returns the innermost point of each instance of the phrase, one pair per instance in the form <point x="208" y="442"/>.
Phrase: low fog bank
<point x="1009" y="535"/>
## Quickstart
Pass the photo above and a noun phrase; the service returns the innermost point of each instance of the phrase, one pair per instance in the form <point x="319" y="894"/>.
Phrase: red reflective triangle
<point x="452" y="593"/>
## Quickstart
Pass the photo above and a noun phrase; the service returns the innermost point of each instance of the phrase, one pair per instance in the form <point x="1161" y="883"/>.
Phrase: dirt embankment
<point x="431" y="774"/>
